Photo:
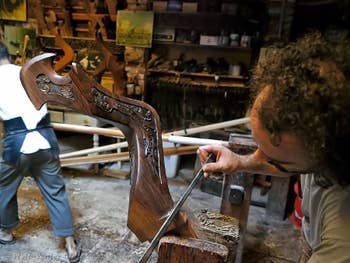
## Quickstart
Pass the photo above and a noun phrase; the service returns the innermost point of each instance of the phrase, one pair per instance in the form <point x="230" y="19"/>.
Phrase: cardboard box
<point x="209" y="40"/>
<point x="56" y="116"/>
<point x="229" y="8"/>
<point x="160" y="6"/>
<point x="80" y="119"/>
<point x="189" y="7"/>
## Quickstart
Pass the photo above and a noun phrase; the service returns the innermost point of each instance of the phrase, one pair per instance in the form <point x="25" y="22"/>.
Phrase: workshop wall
<point x="198" y="66"/>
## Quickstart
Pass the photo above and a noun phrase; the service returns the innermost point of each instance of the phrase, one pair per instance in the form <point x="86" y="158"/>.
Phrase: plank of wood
<point x="124" y="156"/>
<point x="119" y="174"/>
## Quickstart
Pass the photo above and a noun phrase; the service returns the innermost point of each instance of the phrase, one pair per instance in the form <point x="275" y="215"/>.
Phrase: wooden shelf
<point x="208" y="14"/>
<point x="89" y="16"/>
<point x="81" y="29"/>
<point x="207" y="84"/>
<point x="77" y="43"/>
<point x="241" y="49"/>
<point x="199" y="20"/>
<point x="201" y="79"/>
<point x="195" y="74"/>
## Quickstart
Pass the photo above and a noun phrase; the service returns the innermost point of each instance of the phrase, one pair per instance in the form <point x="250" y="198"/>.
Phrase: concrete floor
<point x="100" y="206"/>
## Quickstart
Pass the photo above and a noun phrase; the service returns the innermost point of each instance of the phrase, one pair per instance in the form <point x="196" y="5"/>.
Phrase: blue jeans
<point x="45" y="169"/>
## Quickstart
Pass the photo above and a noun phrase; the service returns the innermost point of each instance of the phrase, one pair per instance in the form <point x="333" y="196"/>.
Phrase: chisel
<point x="172" y="214"/>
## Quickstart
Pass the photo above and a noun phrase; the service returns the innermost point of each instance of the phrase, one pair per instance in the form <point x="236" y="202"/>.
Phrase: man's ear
<point x="275" y="139"/>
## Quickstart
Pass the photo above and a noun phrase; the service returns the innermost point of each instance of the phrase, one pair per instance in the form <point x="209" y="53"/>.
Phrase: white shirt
<point x="14" y="102"/>
<point x="327" y="229"/>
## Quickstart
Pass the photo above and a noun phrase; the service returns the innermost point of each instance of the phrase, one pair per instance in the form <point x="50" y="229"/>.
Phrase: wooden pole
<point x="169" y="138"/>
<point x="165" y="137"/>
<point x="109" y="132"/>
<point x="109" y="147"/>
<point x="124" y="156"/>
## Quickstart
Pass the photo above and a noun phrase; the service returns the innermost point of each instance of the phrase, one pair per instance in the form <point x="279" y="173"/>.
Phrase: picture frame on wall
<point x="135" y="28"/>
<point x="15" y="10"/>
<point x="15" y="37"/>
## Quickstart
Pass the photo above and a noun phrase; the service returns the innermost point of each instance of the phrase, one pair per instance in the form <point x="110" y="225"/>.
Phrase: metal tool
<point x="162" y="230"/>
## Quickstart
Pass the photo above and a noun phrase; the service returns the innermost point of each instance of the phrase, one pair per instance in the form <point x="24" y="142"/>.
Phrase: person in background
<point x="30" y="146"/>
<point x="300" y="120"/>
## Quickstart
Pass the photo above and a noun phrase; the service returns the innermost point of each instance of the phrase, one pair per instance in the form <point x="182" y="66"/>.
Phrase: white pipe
<point x="165" y="136"/>
<point x="195" y="141"/>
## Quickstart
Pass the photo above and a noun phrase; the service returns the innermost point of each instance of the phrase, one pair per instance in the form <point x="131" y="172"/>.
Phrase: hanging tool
<point x="24" y="50"/>
<point x="173" y="213"/>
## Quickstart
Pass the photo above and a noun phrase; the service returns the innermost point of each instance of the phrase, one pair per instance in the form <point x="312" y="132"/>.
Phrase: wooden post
<point x="230" y="193"/>
<point x="277" y="200"/>
<point x="236" y="193"/>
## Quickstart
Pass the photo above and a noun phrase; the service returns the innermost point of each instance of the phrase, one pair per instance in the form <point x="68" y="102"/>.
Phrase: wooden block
<point x="221" y="229"/>
<point x="107" y="82"/>
<point x="174" y="249"/>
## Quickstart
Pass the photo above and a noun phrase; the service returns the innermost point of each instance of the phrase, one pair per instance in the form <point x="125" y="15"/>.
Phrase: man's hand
<point x="226" y="161"/>
<point x="230" y="162"/>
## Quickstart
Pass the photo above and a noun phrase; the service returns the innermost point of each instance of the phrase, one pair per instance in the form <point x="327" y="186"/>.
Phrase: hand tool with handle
<point x="173" y="213"/>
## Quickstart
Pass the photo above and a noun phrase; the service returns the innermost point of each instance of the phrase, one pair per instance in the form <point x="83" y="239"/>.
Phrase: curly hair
<point x="309" y="95"/>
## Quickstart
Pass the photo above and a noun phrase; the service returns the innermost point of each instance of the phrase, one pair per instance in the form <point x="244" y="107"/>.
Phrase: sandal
<point x="7" y="242"/>
<point x="9" y="238"/>
<point x="77" y="257"/>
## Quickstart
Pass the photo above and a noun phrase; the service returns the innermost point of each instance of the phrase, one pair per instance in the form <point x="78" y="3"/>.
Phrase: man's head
<point x="284" y="150"/>
<point x="303" y="95"/>
<point x="4" y="54"/>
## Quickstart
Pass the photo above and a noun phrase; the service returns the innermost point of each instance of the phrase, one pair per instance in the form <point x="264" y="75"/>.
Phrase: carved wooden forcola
<point x="150" y="199"/>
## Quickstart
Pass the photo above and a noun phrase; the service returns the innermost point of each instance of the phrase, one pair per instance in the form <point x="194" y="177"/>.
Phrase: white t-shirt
<point x="326" y="222"/>
<point x="14" y="102"/>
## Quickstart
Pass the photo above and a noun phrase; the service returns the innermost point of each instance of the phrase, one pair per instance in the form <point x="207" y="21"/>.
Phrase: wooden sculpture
<point x="69" y="54"/>
<point x="113" y="64"/>
<point x="150" y="200"/>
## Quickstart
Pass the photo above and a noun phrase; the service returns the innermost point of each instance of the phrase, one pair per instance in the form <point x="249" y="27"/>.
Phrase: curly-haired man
<point x="300" y="119"/>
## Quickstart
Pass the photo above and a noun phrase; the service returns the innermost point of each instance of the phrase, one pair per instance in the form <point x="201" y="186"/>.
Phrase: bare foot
<point x="73" y="249"/>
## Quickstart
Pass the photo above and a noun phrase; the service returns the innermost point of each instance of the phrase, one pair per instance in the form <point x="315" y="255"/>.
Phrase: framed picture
<point x="19" y="40"/>
<point x="15" y="10"/>
<point x="135" y="28"/>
